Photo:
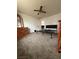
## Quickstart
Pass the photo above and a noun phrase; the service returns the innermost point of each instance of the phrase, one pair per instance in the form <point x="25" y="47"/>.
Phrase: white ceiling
<point x="27" y="7"/>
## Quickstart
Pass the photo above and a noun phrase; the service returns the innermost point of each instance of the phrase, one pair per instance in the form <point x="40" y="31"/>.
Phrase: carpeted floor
<point x="38" y="46"/>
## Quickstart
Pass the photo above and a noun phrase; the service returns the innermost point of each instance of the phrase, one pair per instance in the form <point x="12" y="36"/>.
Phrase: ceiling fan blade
<point x="43" y="11"/>
<point x="41" y="7"/>
<point x="36" y="10"/>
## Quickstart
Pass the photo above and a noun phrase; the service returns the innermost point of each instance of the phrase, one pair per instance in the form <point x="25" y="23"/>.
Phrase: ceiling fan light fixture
<point x="38" y="14"/>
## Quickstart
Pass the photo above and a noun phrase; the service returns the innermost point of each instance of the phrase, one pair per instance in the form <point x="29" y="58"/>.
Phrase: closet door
<point x="59" y="36"/>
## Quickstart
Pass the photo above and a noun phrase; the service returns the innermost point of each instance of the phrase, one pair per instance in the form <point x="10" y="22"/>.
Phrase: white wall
<point x="35" y="24"/>
<point x="52" y="20"/>
<point x="31" y="22"/>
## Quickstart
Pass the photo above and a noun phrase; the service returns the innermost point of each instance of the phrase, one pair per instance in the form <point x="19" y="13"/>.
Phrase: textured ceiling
<point x="27" y="7"/>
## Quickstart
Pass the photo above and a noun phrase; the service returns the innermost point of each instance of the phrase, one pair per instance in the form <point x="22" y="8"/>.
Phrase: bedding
<point x="50" y="29"/>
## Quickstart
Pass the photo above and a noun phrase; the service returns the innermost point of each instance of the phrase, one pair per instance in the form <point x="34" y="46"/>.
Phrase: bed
<point x="49" y="29"/>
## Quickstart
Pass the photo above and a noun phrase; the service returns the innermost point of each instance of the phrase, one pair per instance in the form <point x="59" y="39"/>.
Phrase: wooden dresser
<point x="21" y="32"/>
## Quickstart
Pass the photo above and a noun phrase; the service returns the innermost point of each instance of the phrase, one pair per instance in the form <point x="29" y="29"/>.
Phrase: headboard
<point x="51" y="26"/>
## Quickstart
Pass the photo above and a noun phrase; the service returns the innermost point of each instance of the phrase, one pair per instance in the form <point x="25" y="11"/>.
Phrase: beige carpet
<point x="38" y="46"/>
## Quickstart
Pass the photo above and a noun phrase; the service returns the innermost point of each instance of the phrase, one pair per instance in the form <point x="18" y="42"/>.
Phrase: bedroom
<point x="37" y="38"/>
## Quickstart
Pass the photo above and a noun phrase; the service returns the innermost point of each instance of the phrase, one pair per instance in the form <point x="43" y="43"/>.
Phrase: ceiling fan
<point x="40" y="10"/>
